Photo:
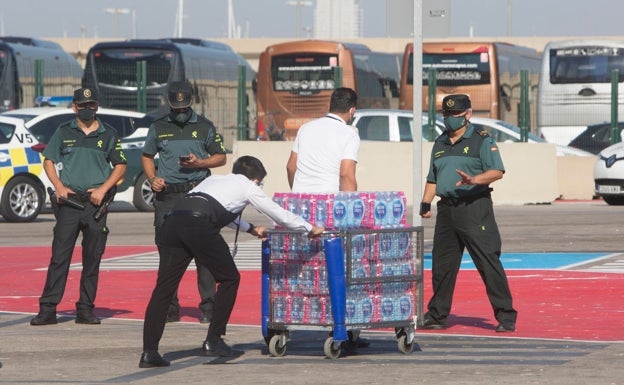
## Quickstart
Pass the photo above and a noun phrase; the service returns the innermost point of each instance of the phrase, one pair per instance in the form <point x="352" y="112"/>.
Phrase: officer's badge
<point x="450" y="103"/>
<point x="180" y="96"/>
<point x="87" y="93"/>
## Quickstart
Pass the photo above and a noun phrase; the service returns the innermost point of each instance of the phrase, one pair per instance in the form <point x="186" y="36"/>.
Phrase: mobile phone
<point x="185" y="158"/>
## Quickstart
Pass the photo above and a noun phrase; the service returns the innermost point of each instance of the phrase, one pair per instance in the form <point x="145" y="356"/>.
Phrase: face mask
<point x="86" y="114"/>
<point x="453" y="123"/>
<point x="181" y="117"/>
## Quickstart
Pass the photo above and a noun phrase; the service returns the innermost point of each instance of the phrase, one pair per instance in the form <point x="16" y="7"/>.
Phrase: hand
<point x="192" y="162"/>
<point x="465" y="178"/>
<point x="97" y="195"/>
<point x="425" y="210"/>
<point x="260" y="232"/>
<point x="158" y="184"/>
<point x="316" y="231"/>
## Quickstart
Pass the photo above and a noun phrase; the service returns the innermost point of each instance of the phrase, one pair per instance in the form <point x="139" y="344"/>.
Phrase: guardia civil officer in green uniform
<point x="78" y="161"/>
<point x="188" y="146"/>
<point x="464" y="161"/>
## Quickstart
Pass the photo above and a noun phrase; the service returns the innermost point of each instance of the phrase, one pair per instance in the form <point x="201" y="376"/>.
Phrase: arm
<point x="59" y="187"/>
<point x="97" y="194"/>
<point x="215" y="160"/>
<point x="347" y="175"/>
<point x="485" y="178"/>
<point x="428" y="195"/>
<point x="291" y="168"/>
<point x="149" y="168"/>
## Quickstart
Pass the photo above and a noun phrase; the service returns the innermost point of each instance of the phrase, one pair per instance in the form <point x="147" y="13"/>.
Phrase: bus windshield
<point x="456" y="69"/>
<point x="303" y="74"/>
<point x="585" y="64"/>
<point x="118" y="67"/>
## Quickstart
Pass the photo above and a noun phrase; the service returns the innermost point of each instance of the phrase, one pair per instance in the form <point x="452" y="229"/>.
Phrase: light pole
<point x="116" y="12"/>
<point x="299" y="4"/>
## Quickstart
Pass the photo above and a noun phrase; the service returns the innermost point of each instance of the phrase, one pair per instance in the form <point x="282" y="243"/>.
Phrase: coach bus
<point x="297" y="78"/>
<point x="211" y="67"/>
<point x="60" y="73"/>
<point x="575" y="86"/>
<point x="489" y="72"/>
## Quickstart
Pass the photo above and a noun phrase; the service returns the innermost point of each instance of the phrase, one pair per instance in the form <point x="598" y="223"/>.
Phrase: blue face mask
<point x="453" y="123"/>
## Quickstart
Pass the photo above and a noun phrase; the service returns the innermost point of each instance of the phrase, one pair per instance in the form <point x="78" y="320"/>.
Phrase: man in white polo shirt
<point x="325" y="152"/>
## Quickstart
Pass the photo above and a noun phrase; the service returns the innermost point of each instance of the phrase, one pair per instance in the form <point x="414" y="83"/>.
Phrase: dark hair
<point x="342" y="99"/>
<point x="249" y="166"/>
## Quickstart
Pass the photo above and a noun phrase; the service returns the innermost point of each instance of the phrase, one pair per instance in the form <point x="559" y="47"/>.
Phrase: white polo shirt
<point x="320" y="146"/>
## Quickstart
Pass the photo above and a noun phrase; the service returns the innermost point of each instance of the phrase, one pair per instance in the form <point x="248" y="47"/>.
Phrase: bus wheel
<point x="143" y="197"/>
<point x="22" y="200"/>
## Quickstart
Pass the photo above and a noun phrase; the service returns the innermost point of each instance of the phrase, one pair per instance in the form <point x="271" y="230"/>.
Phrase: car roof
<point x="11" y="120"/>
<point x="50" y="111"/>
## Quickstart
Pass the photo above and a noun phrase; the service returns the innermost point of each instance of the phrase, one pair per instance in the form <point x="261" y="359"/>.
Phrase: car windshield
<point x="24" y="117"/>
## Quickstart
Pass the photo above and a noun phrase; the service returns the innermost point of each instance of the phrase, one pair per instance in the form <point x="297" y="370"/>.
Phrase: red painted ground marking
<point x="551" y="303"/>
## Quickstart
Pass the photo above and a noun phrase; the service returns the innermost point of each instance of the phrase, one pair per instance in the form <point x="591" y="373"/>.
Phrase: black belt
<point x="80" y="196"/>
<point x="181" y="187"/>
<point x="451" y="201"/>
<point x="191" y="213"/>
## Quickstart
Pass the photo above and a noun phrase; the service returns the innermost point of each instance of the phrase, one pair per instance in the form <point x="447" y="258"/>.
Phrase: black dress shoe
<point x="220" y="349"/>
<point x="44" y="319"/>
<point x="431" y="324"/>
<point x="152" y="360"/>
<point x="87" y="319"/>
<point x="173" y="316"/>
<point x="506" y="327"/>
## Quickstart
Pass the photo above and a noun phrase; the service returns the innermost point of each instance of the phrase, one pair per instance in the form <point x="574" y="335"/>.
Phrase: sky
<point x="277" y="19"/>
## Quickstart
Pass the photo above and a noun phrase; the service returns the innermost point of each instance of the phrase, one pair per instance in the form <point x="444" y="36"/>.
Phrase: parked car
<point x="27" y="131"/>
<point x="609" y="174"/>
<point x="596" y="137"/>
<point x="396" y="126"/>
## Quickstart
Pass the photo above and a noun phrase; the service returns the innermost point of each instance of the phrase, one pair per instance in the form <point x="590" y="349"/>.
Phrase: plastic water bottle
<point x="304" y="208"/>
<point x="357" y="211"/>
<point x="397" y="209"/>
<point x="341" y="205"/>
<point x="320" y="210"/>
<point x="381" y="210"/>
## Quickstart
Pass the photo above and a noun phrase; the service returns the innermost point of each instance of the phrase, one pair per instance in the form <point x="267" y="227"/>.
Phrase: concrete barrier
<point x="534" y="174"/>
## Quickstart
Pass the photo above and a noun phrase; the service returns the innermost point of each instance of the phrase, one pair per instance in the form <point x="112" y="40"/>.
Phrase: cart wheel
<point x="405" y="347"/>
<point x="276" y="347"/>
<point x="329" y="349"/>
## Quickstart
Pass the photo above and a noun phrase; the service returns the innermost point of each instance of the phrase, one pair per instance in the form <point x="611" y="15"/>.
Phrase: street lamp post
<point x="116" y="12"/>
<point x="299" y="4"/>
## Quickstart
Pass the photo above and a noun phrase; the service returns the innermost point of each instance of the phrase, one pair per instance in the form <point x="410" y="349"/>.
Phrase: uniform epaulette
<point x="482" y="132"/>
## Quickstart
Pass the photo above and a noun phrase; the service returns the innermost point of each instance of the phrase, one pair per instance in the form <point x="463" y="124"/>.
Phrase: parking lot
<point x="80" y="354"/>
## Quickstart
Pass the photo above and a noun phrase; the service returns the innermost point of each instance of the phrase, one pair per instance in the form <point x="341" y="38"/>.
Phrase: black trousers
<point x="182" y="237"/>
<point x="163" y="203"/>
<point x="70" y="222"/>
<point x="468" y="225"/>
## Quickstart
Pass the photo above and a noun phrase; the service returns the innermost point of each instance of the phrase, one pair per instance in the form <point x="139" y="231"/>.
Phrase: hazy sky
<point x="274" y="18"/>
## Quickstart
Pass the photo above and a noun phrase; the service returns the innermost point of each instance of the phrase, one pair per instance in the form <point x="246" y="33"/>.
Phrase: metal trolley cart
<point x="342" y="282"/>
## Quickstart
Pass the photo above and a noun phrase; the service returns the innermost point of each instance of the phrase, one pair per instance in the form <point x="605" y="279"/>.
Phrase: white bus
<point x="575" y="86"/>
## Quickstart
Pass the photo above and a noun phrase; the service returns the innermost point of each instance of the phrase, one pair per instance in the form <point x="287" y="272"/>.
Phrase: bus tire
<point x="143" y="196"/>
<point x="22" y="199"/>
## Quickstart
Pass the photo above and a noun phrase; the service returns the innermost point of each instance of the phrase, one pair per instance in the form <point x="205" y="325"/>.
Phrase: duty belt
<point x="451" y="201"/>
<point x="80" y="196"/>
<point x="181" y="187"/>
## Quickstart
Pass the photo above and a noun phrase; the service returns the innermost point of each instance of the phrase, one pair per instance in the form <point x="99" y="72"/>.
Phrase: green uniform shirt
<point x="84" y="161"/>
<point x="474" y="153"/>
<point x="170" y="141"/>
